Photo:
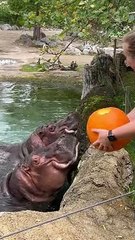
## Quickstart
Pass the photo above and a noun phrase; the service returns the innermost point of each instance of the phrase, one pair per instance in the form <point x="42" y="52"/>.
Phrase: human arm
<point x="125" y="131"/>
<point x="131" y="115"/>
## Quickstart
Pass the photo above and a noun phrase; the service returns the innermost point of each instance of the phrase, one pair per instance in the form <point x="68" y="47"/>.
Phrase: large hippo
<point x="34" y="173"/>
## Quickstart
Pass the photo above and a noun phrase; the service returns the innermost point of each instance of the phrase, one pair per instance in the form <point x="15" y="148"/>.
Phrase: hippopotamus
<point x="43" y="136"/>
<point x="47" y="134"/>
<point x="34" y="174"/>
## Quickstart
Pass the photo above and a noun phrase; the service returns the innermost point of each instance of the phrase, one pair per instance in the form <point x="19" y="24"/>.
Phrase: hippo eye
<point x="52" y="128"/>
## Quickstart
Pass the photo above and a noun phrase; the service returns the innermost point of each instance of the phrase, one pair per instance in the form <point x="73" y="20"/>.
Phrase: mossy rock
<point x="93" y="101"/>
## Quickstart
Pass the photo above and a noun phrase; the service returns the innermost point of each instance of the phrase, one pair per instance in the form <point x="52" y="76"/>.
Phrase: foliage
<point x="6" y="14"/>
<point x="90" y="19"/>
<point x="34" y="12"/>
<point x="130" y="148"/>
<point x="129" y="80"/>
<point x="100" y="20"/>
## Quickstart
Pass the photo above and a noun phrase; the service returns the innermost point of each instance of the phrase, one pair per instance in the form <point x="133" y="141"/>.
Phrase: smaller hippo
<point x="46" y="134"/>
<point x="41" y="137"/>
<point x="36" y="180"/>
<point x="12" y="154"/>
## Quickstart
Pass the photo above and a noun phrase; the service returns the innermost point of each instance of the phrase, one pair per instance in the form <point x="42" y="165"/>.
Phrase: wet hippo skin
<point x="34" y="174"/>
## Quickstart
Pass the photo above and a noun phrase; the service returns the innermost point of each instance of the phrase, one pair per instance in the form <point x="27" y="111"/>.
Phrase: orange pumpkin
<point x="107" y="118"/>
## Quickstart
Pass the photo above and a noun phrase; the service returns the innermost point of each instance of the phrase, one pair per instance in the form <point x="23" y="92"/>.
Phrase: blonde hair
<point x="129" y="38"/>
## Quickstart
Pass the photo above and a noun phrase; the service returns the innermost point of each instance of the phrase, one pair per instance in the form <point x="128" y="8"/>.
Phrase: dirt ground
<point x="9" y="49"/>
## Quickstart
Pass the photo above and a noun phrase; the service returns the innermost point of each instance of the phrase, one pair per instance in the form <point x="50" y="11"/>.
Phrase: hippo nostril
<point x="35" y="162"/>
<point x="36" y="159"/>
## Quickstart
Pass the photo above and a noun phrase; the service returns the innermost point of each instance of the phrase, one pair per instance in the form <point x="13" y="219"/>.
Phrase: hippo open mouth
<point x="45" y="170"/>
<point x="45" y="135"/>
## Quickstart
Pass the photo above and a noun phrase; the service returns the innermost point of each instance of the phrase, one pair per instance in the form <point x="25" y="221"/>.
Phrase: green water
<point x="25" y="106"/>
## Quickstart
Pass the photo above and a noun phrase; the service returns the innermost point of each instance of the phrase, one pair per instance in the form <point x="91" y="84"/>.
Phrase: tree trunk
<point x="37" y="28"/>
<point x="36" y="33"/>
<point x="101" y="73"/>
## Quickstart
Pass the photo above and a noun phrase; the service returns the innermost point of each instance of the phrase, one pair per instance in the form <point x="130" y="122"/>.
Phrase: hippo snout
<point x="47" y="134"/>
<point x="63" y="151"/>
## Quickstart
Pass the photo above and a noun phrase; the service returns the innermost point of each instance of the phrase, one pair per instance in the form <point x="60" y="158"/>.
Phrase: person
<point x="106" y="137"/>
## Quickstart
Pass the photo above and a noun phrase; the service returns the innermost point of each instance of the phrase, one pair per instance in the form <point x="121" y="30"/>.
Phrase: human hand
<point x="102" y="143"/>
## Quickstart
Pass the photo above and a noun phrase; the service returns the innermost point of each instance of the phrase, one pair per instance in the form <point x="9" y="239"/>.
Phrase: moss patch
<point x="34" y="68"/>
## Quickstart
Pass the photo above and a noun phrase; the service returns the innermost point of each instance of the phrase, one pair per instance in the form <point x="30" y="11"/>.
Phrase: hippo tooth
<point x="69" y="131"/>
<point x="61" y="165"/>
<point x="76" y="152"/>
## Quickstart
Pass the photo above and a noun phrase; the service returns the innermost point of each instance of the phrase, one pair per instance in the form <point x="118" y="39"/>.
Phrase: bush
<point x="8" y="16"/>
